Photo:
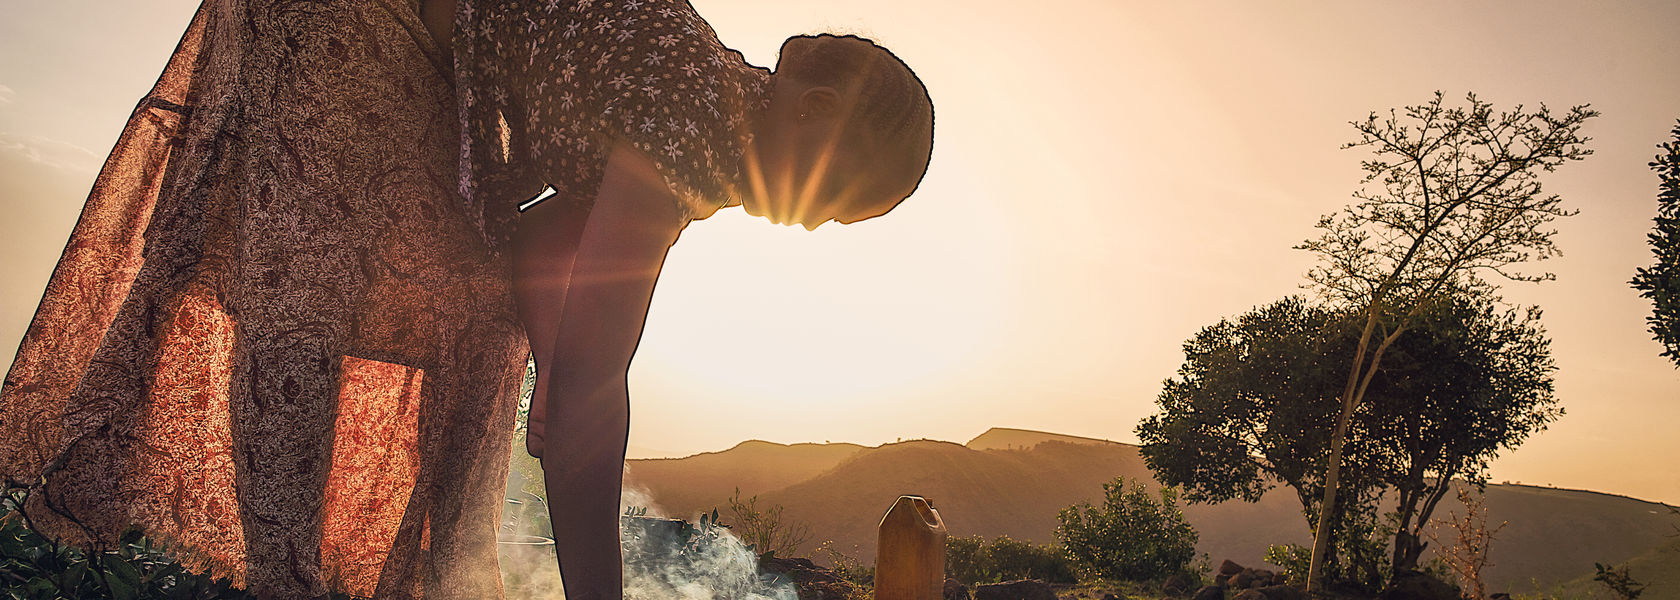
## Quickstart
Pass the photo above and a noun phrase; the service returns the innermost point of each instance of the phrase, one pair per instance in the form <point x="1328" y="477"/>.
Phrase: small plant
<point x="1619" y="581"/>
<point x="1134" y="536"/>
<point x="765" y="531"/>
<point x="1469" y="554"/>
<point x="848" y="568"/>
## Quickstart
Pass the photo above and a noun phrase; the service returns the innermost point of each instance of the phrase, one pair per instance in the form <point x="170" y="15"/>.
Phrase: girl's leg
<point x="545" y="248"/>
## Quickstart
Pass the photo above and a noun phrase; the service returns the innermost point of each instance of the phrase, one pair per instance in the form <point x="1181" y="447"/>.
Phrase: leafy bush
<point x="1133" y="536"/>
<point x="34" y="567"/>
<point x="972" y="560"/>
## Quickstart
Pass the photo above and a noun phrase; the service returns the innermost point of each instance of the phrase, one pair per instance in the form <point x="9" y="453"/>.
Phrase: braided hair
<point x="891" y="106"/>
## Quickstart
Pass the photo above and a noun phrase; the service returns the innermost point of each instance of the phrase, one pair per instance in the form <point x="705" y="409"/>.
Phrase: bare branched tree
<point x="1450" y="193"/>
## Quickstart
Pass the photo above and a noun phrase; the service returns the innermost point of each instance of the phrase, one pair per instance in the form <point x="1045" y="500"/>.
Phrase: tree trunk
<point x="1321" y="533"/>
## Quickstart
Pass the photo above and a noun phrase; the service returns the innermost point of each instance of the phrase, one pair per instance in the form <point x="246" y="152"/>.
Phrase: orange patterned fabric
<point x="276" y="339"/>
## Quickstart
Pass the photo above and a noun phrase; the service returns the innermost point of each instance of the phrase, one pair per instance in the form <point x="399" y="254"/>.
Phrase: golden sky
<point x="1108" y="177"/>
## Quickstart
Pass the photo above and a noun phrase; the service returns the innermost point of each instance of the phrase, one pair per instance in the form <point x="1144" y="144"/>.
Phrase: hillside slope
<point x="1554" y="535"/>
<point x="686" y="486"/>
<point x="1008" y="438"/>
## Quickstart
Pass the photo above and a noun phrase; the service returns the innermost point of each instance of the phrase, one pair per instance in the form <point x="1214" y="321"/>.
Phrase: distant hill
<point x="685" y="486"/>
<point x="1013" y="482"/>
<point x="1005" y="438"/>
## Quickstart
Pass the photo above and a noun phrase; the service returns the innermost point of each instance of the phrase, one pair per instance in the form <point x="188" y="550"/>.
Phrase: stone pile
<point x="1248" y="584"/>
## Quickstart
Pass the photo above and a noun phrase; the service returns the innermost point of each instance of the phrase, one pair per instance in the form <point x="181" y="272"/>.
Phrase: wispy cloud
<point x="6" y="94"/>
<point x="47" y="152"/>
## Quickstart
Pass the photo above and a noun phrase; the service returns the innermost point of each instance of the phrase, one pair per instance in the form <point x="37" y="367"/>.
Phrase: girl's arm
<point x="623" y="244"/>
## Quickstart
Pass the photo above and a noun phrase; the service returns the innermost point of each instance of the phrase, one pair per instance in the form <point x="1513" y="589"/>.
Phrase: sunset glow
<point x="1107" y="178"/>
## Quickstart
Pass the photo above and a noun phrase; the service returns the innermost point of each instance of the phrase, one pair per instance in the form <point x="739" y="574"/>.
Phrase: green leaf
<point x="41" y="587"/>
<point x="71" y="580"/>
<point x="121" y="577"/>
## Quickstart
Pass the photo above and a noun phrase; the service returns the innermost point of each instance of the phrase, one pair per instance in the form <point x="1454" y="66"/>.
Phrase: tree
<point x="1451" y="192"/>
<point x="1466" y="381"/>
<point x="1134" y="536"/>
<point x="1661" y="282"/>
<point x="1254" y="405"/>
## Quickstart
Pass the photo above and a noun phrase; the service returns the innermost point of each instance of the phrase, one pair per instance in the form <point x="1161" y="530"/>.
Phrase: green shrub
<point x="1133" y="536"/>
<point x="34" y="567"/>
<point x="972" y="560"/>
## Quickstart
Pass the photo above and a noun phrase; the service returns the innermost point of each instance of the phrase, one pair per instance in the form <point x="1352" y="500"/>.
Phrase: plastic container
<point x="910" y="552"/>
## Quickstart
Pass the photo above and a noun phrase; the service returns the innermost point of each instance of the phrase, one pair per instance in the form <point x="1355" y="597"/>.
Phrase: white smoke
<point x="700" y="563"/>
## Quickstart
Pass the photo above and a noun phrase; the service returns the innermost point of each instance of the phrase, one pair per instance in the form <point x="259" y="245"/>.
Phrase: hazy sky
<point x="1108" y="177"/>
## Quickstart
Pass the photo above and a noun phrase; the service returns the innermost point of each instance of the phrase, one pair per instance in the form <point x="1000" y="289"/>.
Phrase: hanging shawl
<point x="277" y="338"/>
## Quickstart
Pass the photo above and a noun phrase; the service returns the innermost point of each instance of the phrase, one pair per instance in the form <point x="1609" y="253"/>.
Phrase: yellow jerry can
<point x="910" y="552"/>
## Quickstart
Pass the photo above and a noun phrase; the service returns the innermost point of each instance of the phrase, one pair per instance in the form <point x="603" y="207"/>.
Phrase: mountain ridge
<point x="841" y="490"/>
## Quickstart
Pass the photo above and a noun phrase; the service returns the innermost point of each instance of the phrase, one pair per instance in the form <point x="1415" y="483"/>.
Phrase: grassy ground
<point x="1658" y="570"/>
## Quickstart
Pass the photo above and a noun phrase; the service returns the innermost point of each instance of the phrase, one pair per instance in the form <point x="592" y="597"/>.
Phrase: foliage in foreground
<point x="973" y="560"/>
<point x="33" y="567"/>
<point x="1661" y="282"/>
<point x="1134" y="536"/>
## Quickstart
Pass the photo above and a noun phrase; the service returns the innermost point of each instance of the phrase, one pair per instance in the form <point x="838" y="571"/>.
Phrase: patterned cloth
<point x="569" y="78"/>
<point x="275" y="338"/>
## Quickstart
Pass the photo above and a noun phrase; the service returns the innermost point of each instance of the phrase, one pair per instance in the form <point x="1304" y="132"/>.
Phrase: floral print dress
<point x="546" y="88"/>
<point x="282" y="336"/>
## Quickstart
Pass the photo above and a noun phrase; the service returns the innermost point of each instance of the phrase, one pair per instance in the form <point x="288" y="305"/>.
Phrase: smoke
<point x="665" y="558"/>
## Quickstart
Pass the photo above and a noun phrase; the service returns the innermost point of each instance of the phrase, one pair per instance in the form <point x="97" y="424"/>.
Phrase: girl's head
<point x="847" y="136"/>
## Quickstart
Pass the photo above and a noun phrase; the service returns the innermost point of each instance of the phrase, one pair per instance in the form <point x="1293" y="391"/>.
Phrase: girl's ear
<point x="819" y="102"/>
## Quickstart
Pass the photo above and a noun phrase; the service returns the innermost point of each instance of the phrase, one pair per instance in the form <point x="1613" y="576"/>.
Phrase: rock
<point x="1249" y="595"/>
<point x="1500" y="596"/>
<point x="1263" y="577"/>
<point x="1280" y="578"/>
<point x="1282" y="592"/>
<point x="812" y="581"/>
<point x="1228" y="568"/>
<point x="1210" y="592"/>
<point x="955" y="590"/>
<point x="1413" y="585"/>
<point x="1177" y="585"/>
<point x="1025" y="589"/>
<point x="1242" y="580"/>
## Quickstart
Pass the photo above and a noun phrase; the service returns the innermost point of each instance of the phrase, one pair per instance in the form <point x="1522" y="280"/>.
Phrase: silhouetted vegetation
<point x="1467" y="554"/>
<point x="973" y="560"/>
<point x="1254" y="404"/>
<point x="1449" y="193"/>
<point x="1619" y="581"/>
<point x="765" y="530"/>
<point x="1661" y="282"/>
<point x="1134" y="535"/>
